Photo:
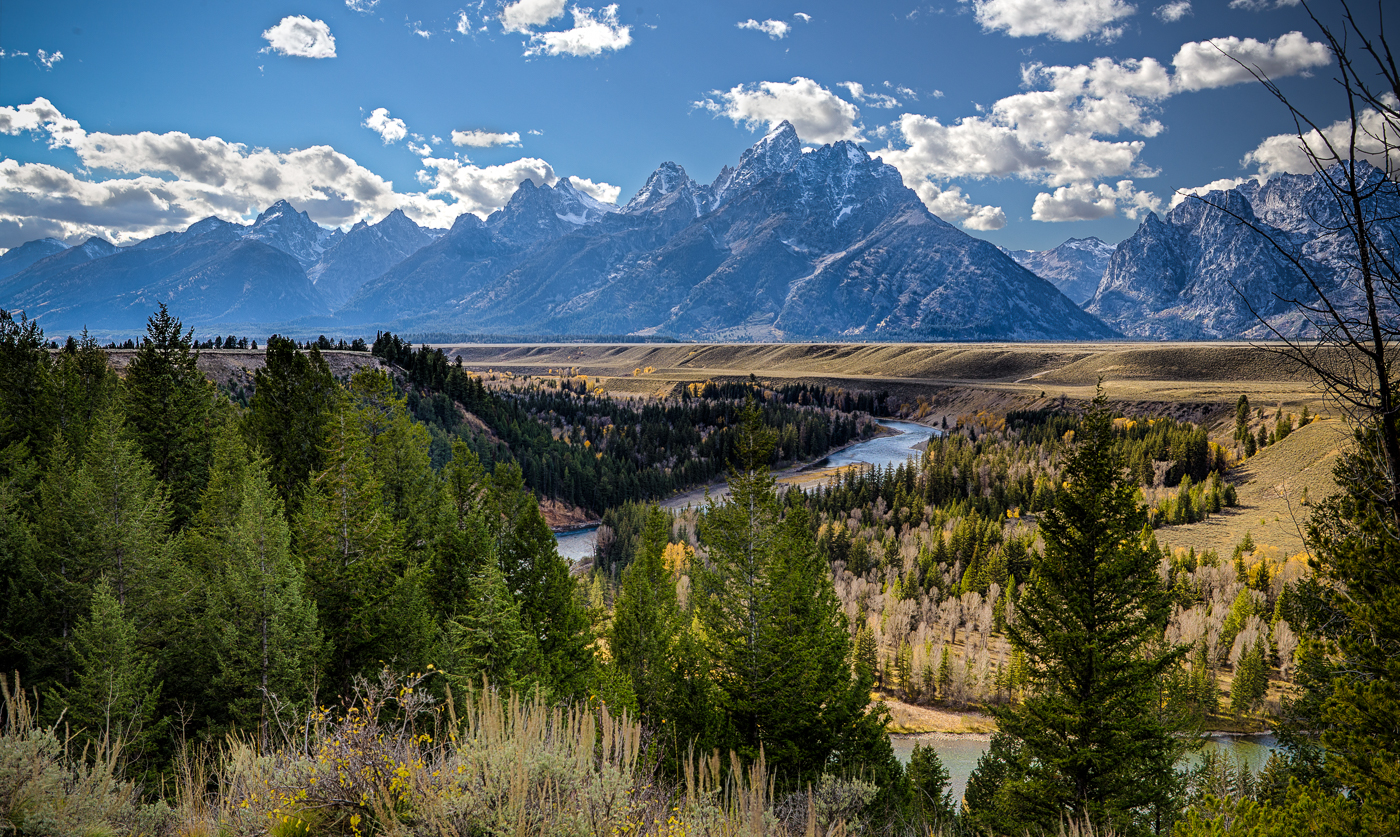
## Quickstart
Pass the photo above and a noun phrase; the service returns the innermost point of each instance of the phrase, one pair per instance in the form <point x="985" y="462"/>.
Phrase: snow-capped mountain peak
<point x="778" y="151"/>
<point x="578" y="207"/>
<point x="294" y="233"/>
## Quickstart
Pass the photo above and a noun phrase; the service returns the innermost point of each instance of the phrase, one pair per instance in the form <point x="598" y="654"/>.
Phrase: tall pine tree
<point x="114" y="693"/>
<point x="646" y="616"/>
<point x="268" y="642"/>
<point x="370" y="600"/>
<point x="169" y="406"/>
<point x="1095" y="745"/>
<point x="294" y="396"/>
<point x="773" y="628"/>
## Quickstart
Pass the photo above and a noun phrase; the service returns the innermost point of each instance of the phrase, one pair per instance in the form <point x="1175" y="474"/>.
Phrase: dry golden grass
<point x="1194" y="381"/>
<point x="1270" y="486"/>
<point x="906" y="718"/>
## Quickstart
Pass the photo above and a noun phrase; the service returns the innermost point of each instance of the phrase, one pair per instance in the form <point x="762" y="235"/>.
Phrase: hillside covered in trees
<point x="304" y="616"/>
<point x="575" y="445"/>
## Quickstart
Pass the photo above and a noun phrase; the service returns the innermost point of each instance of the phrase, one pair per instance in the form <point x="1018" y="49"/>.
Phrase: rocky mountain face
<point x="825" y="243"/>
<point x="18" y="258"/>
<point x="281" y="268"/>
<point x="364" y="253"/>
<point x="1075" y="267"/>
<point x="292" y="232"/>
<point x="1222" y="266"/>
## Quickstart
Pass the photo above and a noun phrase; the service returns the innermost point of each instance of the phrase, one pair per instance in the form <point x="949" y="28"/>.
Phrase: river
<point x="959" y="753"/>
<point x="881" y="451"/>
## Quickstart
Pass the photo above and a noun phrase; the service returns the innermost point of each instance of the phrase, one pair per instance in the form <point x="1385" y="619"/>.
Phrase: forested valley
<point x="330" y="606"/>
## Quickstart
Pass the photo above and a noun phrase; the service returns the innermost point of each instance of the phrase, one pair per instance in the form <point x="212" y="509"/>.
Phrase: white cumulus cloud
<point x="952" y="205"/>
<point x="1052" y="136"/>
<point x="1088" y="202"/>
<point x="524" y="15"/>
<point x="591" y="35"/>
<point x="300" y="36"/>
<point x="1224" y="184"/>
<point x="484" y="139"/>
<point x="133" y="186"/>
<point x="775" y="29"/>
<point x="1065" y="131"/>
<point x="1063" y="20"/>
<point x="389" y="129"/>
<point x="1286" y="154"/>
<point x="1172" y="12"/>
<point x="605" y="192"/>
<point x="819" y="115"/>
<point x="1221" y="62"/>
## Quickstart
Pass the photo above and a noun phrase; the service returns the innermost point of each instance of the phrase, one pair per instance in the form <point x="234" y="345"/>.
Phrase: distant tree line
<point x="598" y="453"/>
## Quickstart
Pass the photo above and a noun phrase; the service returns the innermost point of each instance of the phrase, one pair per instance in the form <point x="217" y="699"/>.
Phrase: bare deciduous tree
<point x="1354" y="317"/>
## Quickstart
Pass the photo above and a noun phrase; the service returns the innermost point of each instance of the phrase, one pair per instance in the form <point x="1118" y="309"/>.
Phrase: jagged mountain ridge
<point x="1075" y="266"/>
<point x="214" y="271"/>
<point x="825" y="243"/>
<point x="18" y="258"/>
<point x="1215" y="267"/>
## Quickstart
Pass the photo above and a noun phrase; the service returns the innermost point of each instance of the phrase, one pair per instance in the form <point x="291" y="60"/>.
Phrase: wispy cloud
<point x="819" y="115"/>
<point x="592" y="35"/>
<point x="775" y="29"/>
<point x="484" y="139"/>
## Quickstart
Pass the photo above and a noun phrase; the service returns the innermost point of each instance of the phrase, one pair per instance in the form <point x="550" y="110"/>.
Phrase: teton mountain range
<point x="790" y="244"/>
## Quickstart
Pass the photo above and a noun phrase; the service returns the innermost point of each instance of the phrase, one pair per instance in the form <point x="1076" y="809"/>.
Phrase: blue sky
<point x="1025" y="121"/>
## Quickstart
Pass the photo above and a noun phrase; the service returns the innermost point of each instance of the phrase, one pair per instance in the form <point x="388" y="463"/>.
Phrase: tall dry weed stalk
<point x="47" y="789"/>
<point x="395" y="761"/>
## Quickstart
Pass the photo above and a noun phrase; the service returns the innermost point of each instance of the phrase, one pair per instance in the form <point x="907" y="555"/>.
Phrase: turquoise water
<point x="576" y="545"/>
<point x="885" y="450"/>
<point x="959" y="753"/>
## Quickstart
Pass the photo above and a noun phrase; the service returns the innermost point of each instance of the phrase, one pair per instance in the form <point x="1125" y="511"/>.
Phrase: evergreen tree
<point x="1098" y="748"/>
<point x="987" y="807"/>
<point x="398" y="452"/>
<point x="867" y="654"/>
<point x="775" y="633"/>
<point x="26" y="384"/>
<point x="645" y="617"/>
<point x="1251" y="680"/>
<point x="293" y="398"/>
<point x="169" y="407"/>
<point x="26" y="623"/>
<point x="928" y="779"/>
<point x="1356" y="696"/>
<point x="85" y="387"/>
<point x="66" y="566"/>
<point x="465" y="543"/>
<point x="126" y="510"/>
<point x="541" y="582"/>
<point x="354" y="562"/>
<point x="487" y="642"/>
<point x="268" y="643"/>
<point x="114" y="694"/>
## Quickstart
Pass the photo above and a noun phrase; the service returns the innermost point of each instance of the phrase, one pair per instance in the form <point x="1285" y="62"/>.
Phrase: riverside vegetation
<point x="339" y="611"/>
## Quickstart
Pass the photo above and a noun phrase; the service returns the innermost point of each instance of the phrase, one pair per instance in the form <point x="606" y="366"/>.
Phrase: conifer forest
<point x="333" y="605"/>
